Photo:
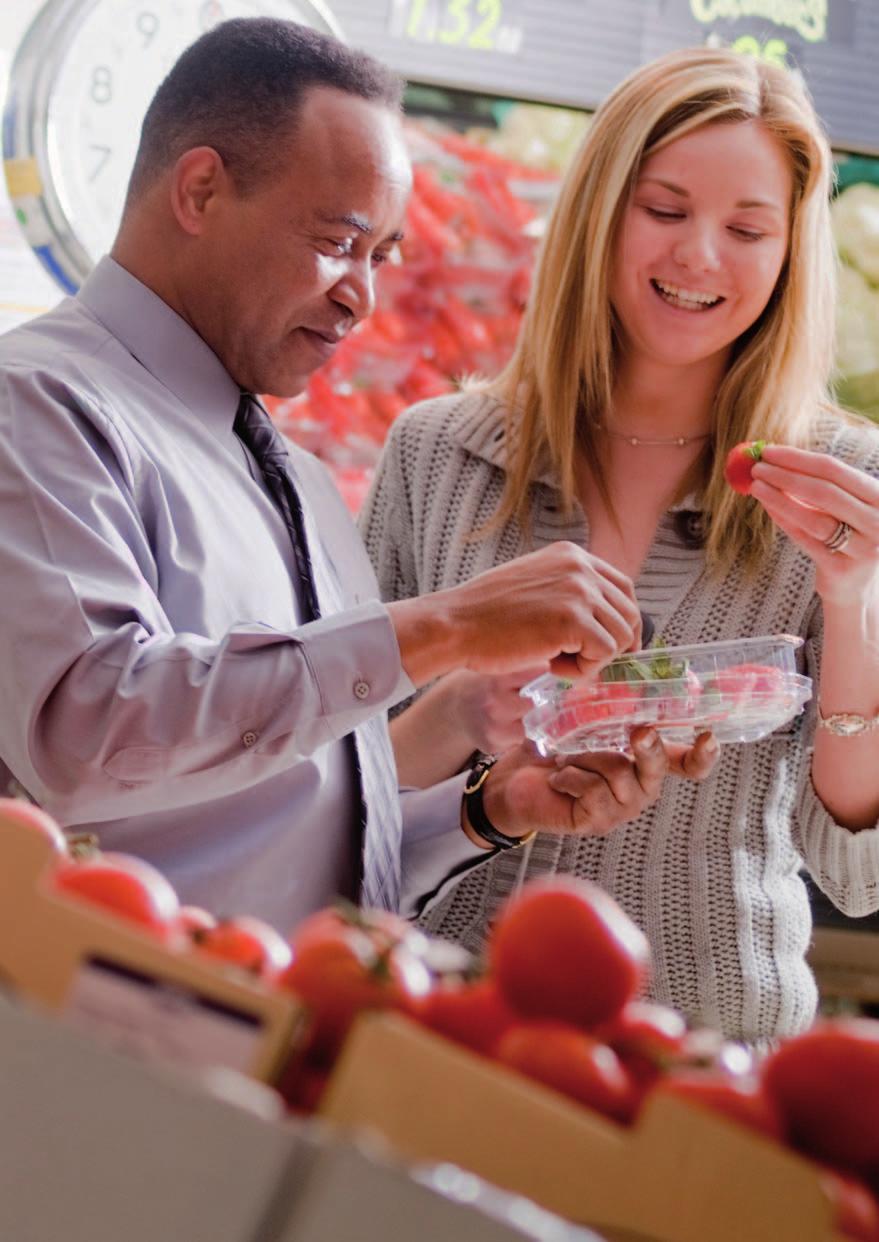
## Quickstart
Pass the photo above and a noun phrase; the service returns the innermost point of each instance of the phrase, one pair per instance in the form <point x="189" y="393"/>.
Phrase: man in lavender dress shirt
<point x="162" y="683"/>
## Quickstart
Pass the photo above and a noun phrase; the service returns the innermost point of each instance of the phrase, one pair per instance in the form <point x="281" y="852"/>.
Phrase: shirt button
<point x="361" y="689"/>
<point x="249" y="738"/>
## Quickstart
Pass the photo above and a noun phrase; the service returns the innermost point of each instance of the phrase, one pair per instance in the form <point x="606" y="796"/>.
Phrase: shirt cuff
<point x="354" y="658"/>
<point x="435" y="850"/>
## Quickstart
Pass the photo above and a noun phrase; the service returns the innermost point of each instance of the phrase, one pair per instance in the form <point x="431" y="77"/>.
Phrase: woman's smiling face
<point x="701" y="243"/>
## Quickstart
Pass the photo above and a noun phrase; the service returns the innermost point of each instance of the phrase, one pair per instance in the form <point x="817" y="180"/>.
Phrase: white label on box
<point x="160" y="1020"/>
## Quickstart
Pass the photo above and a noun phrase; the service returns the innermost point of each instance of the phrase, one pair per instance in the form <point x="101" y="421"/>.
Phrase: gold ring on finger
<point x="838" y="541"/>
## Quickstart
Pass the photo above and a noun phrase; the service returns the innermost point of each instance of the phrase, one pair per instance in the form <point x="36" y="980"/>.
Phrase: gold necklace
<point x="638" y="441"/>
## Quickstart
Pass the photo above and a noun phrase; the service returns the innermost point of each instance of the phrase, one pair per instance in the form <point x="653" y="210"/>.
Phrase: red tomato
<point x="342" y="973"/>
<point x="247" y="942"/>
<point x="826" y="1084"/>
<point x="194" y="919"/>
<point x="564" y="949"/>
<point x="648" y="1038"/>
<point x="381" y="926"/>
<point x="129" y="887"/>
<point x="17" y="811"/>
<point x="740" y="461"/>
<point x="855" y="1209"/>
<point x="473" y="1014"/>
<point x="741" y="1099"/>
<point x="302" y="1085"/>
<point x="572" y="1062"/>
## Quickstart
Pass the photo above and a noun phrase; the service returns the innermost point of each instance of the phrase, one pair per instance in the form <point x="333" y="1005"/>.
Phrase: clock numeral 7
<point x="103" y="154"/>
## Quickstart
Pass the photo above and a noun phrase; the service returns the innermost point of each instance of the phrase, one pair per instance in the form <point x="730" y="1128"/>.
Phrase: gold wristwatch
<point x="847" y="724"/>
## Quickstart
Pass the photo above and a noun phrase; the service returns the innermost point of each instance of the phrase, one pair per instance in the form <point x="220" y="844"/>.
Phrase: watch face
<point x="79" y="89"/>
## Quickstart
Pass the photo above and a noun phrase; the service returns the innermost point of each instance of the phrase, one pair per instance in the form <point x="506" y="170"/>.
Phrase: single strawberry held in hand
<point x="740" y="462"/>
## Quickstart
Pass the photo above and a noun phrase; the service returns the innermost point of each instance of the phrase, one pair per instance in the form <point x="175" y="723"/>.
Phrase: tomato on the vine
<point x="246" y="942"/>
<point x="826" y="1084"/>
<point x="855" y="1207"/>
<point x="473" y="1014"/>
<point x="339" y="974"/>
<point x="739" y="1098"/>
<point x="128" y="887"/>
<point x="194" y="919"/>
<point x="572" y="1062"/>
<point x="564" y="949"/>
<point x="648" y="1038"/>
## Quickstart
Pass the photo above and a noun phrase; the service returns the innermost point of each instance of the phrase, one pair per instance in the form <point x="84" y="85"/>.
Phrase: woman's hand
<point x="489" y="710"/>
<point x="809" y="495"/>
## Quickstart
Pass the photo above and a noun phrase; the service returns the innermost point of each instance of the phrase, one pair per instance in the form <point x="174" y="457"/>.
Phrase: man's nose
<point x="356" y="290"/>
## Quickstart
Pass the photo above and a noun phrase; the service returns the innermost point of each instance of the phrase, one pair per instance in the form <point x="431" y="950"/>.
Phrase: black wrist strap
<point x="479" y="821"/>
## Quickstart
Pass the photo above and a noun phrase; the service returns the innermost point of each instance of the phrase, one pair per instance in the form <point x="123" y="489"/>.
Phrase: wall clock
<point x="79" y="86"/>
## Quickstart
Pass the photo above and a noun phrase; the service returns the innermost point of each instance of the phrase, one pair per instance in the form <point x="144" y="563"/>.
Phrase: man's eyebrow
<point x="357" y="222"/>
<point x="743" y="203"/>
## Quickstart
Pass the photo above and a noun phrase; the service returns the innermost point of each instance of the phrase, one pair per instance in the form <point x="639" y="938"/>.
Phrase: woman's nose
<point x="698" y="251"/>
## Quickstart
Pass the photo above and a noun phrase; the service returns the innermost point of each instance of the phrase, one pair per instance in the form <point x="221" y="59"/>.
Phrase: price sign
<point x="473" y="25"/>
<point x="574" y="52"/>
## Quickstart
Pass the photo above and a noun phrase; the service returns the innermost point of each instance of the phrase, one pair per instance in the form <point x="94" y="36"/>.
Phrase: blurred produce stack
<point x="856" y="228"/>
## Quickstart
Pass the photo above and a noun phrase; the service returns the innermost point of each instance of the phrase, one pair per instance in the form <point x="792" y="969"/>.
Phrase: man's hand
<point x="557" y="602"/>
<point x="588" y="794"/>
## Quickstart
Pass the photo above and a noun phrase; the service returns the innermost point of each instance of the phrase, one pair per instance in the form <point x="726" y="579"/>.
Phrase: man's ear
<point x="197" y="179"/>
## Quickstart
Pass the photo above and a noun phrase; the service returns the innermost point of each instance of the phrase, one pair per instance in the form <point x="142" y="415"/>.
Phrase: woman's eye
<point x="339" y="247"/>
<point x="379" y="259"/>
<point x="750" y="235"/>
<point x="658" y="213"/>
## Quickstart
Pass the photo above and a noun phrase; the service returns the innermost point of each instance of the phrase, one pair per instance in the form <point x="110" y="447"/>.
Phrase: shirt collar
<point x="162" y="342"/>
<point x="485" y="435"/>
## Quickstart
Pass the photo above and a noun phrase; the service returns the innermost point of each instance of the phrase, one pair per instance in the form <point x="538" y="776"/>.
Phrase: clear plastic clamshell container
<point x="741" y="690"/>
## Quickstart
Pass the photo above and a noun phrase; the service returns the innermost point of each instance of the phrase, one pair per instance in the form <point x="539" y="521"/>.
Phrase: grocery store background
<point x="487" y="166"/>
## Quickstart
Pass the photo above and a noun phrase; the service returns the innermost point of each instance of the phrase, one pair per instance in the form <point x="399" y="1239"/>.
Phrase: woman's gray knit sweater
<point x="711" y="872"/>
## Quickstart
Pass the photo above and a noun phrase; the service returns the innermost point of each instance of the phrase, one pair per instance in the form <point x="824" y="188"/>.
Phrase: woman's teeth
<point x="685" y="299"/>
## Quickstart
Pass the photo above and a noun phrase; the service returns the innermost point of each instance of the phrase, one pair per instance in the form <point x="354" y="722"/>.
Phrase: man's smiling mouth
<point x="686" y="299"/>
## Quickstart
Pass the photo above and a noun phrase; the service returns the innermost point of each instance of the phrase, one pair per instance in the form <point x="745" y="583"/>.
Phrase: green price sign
<point x="472" y="25"/>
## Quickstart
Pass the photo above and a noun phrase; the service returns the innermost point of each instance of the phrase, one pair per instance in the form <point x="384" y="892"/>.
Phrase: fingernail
<point x="648" y="742"/>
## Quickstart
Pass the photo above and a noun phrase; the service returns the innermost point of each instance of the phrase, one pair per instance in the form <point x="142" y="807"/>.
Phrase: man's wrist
<point x="426" y="636"/>
<point x="481" y="827"/>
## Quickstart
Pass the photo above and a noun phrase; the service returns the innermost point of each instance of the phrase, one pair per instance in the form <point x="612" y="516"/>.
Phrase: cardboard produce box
<point x="353" y="1194"/>
<point x="107" y="976"/>
<point x="681" y="1175"/>
<point x="97" y="1147"/>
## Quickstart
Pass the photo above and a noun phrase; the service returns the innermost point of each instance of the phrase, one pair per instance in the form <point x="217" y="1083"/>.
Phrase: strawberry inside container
<point x="740" y="689"/>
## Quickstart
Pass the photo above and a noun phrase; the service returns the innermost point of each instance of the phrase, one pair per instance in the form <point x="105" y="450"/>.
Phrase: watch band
<point x="847" y="724"/>
<point x="479" y="821"/>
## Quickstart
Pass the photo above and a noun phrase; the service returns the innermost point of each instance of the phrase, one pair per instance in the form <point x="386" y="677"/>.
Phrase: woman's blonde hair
<point x="561" y="376"/>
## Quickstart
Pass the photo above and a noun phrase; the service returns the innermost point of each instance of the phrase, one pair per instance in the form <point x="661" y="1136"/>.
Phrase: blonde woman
<point x="683" y="302"/>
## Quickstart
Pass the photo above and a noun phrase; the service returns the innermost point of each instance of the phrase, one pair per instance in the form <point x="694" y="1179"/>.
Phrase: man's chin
<point x="283" y="385"/>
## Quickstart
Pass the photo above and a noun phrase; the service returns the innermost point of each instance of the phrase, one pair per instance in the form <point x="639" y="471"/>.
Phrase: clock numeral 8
<point x="102" y="84"/>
